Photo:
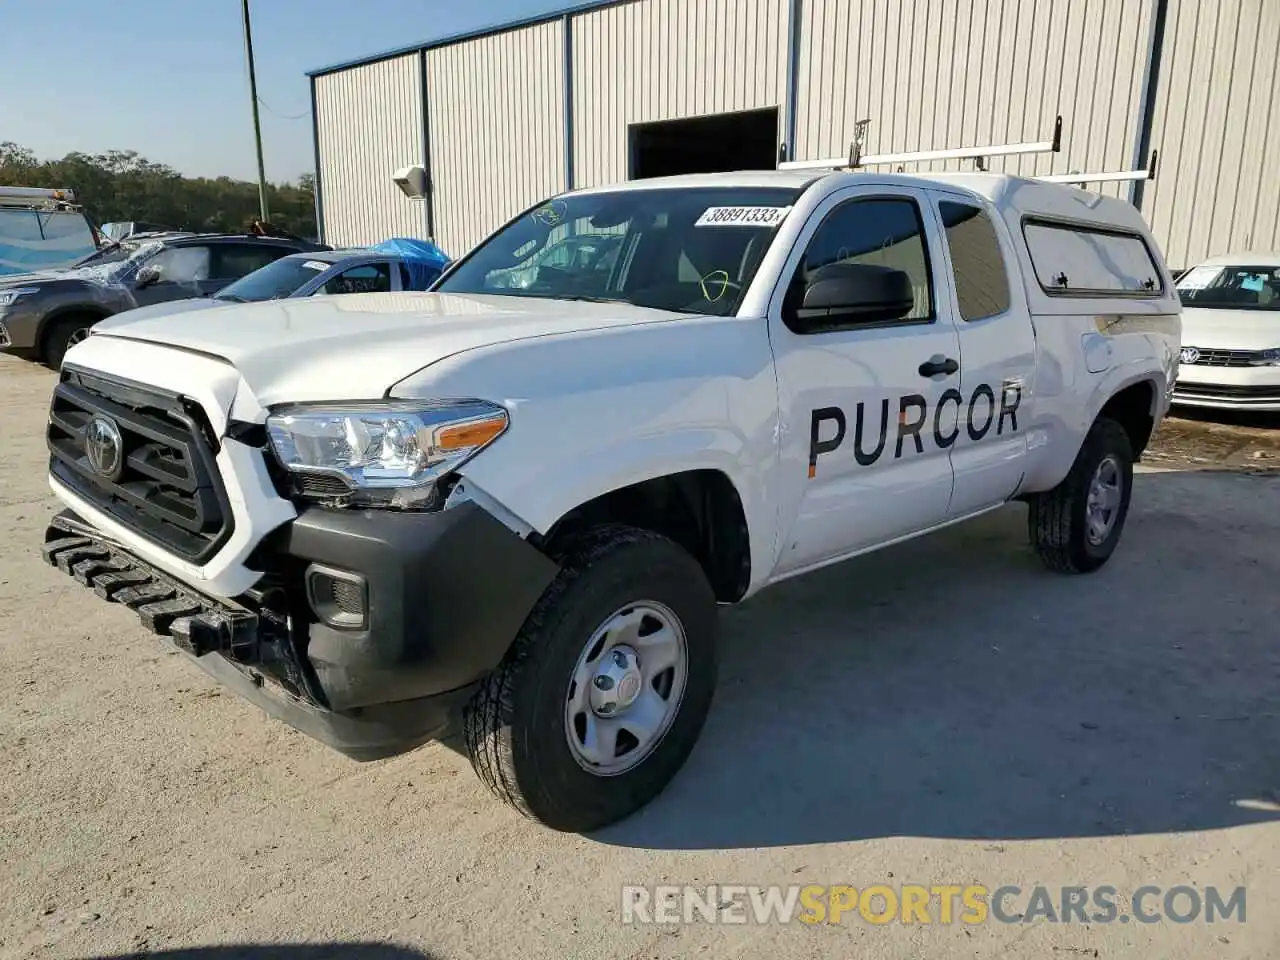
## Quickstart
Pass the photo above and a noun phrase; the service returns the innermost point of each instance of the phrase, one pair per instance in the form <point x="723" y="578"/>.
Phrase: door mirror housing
<point x="842" y="294"/>
<point x="148" y="275"/>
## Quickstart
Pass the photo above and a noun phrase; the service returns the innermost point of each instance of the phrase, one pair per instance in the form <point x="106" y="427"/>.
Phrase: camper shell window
<point x="1082" y="260"/>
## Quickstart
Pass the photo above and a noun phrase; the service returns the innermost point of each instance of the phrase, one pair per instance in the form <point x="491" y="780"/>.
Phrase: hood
<point x="1231" y="329"/>
<point x="29" y="279"/>
<point x="103" y="275"/>
<point x="167" y="309"/>
<point x="357" y="346"/>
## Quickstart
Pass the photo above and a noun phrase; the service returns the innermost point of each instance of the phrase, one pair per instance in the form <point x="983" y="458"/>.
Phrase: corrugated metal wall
<point x="1217" y="122"/>
<point x="928" y="73"/>
<point x="496" y="109"/>
<point x="932" y="74"/>
<point x="369" y="124"/>
<point x="666" y="59"/>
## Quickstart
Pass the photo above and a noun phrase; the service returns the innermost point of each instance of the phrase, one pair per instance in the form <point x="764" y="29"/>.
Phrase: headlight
<point x="390" y="454"/>
<point x="8" y="296"/>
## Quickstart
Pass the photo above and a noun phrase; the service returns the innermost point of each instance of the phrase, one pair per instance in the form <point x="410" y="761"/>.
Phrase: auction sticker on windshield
<point x="742" y="216"/>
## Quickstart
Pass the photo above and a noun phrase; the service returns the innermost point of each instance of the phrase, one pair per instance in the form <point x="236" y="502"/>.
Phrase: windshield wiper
<point x="586" y="299"/>
<point x="230" y="297"/>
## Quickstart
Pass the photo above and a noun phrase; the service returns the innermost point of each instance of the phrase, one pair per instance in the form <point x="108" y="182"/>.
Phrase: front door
<point x="868" y="414"/>
<point x="183" y="273"/>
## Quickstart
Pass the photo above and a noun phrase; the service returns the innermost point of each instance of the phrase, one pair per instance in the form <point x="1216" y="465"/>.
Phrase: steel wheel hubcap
<point x="626" y="688"/>
<point x="1103" y="505"/>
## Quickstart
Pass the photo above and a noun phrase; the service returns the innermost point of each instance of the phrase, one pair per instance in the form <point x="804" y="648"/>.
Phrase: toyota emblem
<point x="1189" y="355"/>
<point x="104" y="447"/>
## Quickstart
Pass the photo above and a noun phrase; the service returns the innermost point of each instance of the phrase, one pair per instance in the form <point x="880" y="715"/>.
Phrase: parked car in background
<point x="42" y="314"/>
<point x="314" y="273"/>
<point x="41" y="229"/>
<point x="1231" y="333"/>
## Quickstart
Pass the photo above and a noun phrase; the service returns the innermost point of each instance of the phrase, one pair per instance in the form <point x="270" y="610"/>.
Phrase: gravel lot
<point x="942" y="712"/>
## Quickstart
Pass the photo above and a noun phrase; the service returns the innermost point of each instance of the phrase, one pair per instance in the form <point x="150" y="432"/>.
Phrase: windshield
<point x="275" y="281"/>
<point x="115" y="261"/>
<point x="690" y="250"/>
<point x="1232" y="287"/>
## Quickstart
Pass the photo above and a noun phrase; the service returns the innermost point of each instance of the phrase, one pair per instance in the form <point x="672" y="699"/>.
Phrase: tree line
<point x="121" y="185"/>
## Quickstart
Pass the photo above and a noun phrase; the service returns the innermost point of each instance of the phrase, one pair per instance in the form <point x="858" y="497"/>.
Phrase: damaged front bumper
<point x="443" y="595"/>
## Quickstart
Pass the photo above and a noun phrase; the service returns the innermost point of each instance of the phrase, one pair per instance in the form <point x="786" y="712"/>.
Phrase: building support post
<point x="315" y="145"/>
<point x="787" y="149"/>
<point x="568" y="102"/>
<point x="428" y="202"/>
<point x="1147" y="100"/>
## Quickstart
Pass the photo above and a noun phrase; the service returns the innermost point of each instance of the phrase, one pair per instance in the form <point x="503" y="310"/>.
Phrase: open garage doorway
<point x="720" y="141"/>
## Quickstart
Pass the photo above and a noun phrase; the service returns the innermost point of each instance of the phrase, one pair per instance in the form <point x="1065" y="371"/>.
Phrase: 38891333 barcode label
<point x="742" y="216"/>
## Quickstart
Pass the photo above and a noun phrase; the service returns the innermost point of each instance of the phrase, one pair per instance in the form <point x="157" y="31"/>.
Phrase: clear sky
<point x="167" y="78"/>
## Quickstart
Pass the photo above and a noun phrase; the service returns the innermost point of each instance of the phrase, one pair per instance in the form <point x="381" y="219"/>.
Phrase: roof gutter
<point x="450" y="39"/>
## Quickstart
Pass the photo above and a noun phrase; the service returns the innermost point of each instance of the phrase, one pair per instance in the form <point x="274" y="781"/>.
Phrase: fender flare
<point x="629" y="460"/>
<point x="1055" y="467"/>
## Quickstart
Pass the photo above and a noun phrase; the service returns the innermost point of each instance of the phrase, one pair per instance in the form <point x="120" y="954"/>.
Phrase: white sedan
<point x="1231" y="333"/>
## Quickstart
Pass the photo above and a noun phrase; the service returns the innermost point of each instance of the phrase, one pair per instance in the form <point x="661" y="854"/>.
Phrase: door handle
<point x="938" y="364"/>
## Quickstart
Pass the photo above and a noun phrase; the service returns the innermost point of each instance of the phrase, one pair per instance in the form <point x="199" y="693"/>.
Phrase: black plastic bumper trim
<point x="447" y="594"/>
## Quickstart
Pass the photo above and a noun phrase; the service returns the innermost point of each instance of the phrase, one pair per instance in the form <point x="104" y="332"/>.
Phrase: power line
<point x="282" y="116"/>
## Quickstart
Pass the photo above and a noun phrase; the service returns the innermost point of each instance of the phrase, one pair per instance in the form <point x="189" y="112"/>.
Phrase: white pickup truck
<point x="510" y="510"/>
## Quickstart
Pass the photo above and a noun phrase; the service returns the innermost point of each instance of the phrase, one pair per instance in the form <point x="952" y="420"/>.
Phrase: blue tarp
<point x="423" y="259"/>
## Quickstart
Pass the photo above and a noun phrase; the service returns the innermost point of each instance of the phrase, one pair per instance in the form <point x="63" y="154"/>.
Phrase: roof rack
<point x="858" y="159"/>
<point x="1118" y="176"/>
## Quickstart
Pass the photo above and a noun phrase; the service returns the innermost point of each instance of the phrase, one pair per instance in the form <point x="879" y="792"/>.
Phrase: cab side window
<point x="880" y="231"/>
<point x="236" y="260"/>
<point x="982" y="281"/>
<point x="366" y="278"/>
<point x="183" y="265"/>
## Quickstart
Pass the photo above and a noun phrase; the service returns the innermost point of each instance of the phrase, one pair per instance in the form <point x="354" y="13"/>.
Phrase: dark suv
<point x="42" y="314"/>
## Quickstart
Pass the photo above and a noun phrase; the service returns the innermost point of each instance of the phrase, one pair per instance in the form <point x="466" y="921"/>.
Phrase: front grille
<point x="348" y="596"/>
<point x="1224" y="358"/>
<point x="166" y="485"/>
<point x="319" y="486"/>
<point x="1217" y="391"/>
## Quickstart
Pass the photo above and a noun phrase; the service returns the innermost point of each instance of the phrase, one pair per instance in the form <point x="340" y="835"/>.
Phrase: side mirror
<point x="147" y="276"/>
<point x="848" y="293"/>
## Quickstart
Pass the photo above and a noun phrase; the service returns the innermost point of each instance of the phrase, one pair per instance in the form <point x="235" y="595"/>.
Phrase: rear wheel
<point x="63" y="334"/>
<point x="604" y="692"/>
<point x="1076" y="526"/>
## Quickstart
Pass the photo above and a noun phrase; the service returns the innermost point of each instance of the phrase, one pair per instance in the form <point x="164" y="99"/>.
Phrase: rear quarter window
<point x="1082" y="260"/>
<point x="982" y="281"/>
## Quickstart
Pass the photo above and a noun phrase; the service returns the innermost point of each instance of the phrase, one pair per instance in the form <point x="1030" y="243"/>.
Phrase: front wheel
<point x="1075" y="526"/>
<point x="64" y="334"/>
<point x="604" y="692"/>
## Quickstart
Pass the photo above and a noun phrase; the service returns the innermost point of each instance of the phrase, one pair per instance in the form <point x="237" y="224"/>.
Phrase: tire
<point x="517" y="728"/>
<point x="1059" y="521"/>
<point x="62" y="334"/>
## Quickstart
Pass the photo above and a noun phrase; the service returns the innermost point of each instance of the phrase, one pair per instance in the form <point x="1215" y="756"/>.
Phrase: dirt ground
<point x="945" y="712"/>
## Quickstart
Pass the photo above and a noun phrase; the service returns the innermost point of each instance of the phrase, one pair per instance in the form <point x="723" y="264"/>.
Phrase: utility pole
<point x="257" y="126"/>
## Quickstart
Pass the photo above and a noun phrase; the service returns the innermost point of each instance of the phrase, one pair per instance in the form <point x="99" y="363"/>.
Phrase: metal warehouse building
<point x="633" y="88"/>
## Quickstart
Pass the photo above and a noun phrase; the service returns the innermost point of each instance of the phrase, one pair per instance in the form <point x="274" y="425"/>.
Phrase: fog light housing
<point x="339" y="598"/>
